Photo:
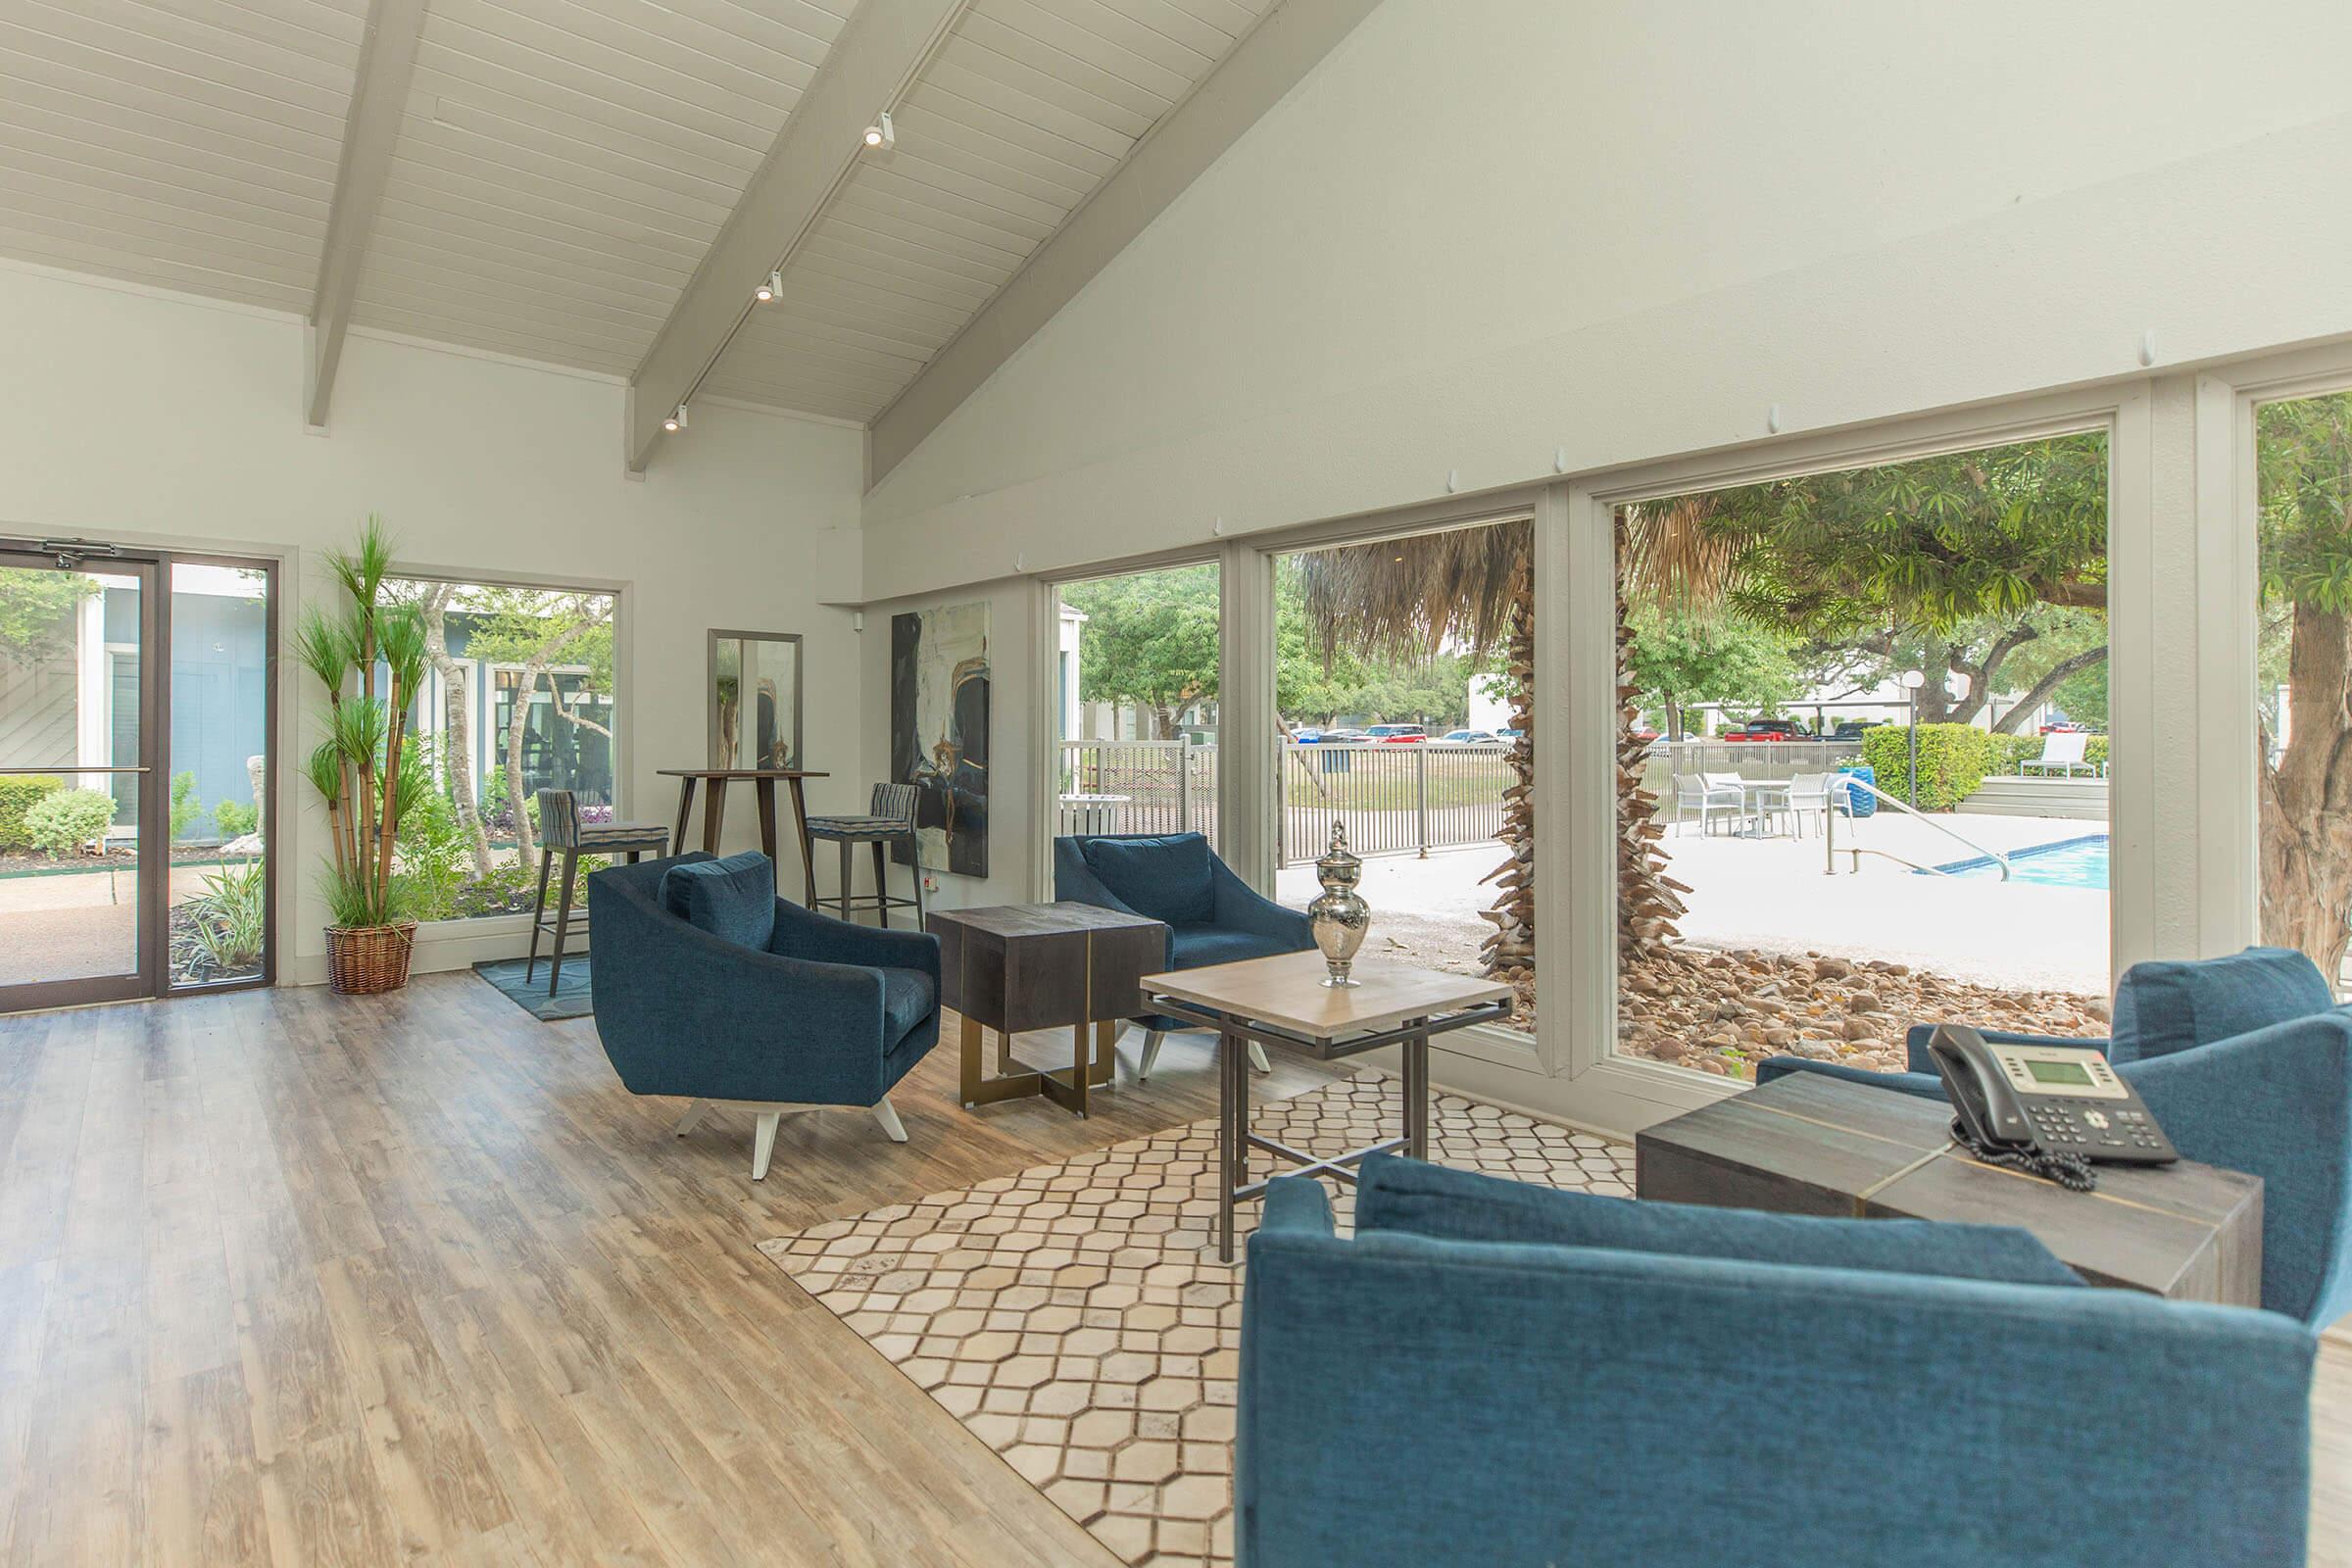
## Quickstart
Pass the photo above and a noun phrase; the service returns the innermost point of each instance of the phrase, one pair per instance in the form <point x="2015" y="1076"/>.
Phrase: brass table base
<point x="1067" y="1086"/>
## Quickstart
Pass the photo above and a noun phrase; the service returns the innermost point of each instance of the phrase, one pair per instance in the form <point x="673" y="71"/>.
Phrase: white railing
<point x="1828" y="836"/>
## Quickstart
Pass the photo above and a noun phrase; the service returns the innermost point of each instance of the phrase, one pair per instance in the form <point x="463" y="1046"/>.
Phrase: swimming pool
<point x="2078" y="862"/>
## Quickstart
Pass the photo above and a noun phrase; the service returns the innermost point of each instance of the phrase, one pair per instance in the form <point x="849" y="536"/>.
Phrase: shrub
<point x="64" y="821"/>
<point x="1953" y="762"/>
<point x="237" y="817"/>
<point x="230" y="918"/>
<point x="186" y="810"/>
<point x="19" y="796"/>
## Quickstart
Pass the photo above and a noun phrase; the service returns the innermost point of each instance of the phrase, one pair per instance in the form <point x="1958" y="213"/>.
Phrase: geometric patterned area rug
<point x="1076" y="1318"/>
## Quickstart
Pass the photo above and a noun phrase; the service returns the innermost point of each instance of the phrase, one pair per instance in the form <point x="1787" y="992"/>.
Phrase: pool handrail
<point x="1828" y="836"/>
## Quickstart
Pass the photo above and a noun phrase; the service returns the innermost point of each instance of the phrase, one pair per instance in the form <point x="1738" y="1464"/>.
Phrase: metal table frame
<point x="1234" y="1140"/>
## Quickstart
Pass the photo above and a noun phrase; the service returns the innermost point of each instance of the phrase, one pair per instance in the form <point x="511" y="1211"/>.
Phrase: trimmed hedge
<point x="19" y="796"/>
<point x="1953" y="759"/>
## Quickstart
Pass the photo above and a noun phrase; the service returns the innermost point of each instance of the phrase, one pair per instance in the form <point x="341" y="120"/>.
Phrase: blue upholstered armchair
<point x="1212" y="916"/>
<point x="1499" y="1374"/>
<point x="709" y="987"/>
<point x="2247" y="1063"/>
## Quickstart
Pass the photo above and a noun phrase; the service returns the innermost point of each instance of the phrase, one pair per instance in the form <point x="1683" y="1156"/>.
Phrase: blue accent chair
<point x="1464" y="1384"/>
<point x="1212" y="916"/>
<point x="2247" y="1063"/>
<point x="709" y="987"/>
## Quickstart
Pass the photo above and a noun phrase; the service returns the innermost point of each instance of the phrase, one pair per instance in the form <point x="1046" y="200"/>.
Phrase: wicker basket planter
<point x="363" y="959"/>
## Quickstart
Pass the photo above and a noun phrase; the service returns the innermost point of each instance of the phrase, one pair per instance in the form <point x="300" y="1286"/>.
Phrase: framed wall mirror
<point x="755" y="700"/>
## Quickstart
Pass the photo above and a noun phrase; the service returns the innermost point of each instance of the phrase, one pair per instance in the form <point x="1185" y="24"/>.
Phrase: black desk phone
<point x="2047" y="1108"/>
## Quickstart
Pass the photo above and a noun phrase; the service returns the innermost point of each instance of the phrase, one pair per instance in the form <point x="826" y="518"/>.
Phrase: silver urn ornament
<point x="1339" y="917"/>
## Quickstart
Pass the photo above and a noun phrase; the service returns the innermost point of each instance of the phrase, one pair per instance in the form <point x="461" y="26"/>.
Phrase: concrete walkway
<point x="1773" y="895"/>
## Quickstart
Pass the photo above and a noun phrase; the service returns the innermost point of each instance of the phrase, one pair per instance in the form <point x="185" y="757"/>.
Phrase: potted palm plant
<point x="356" y="767"/>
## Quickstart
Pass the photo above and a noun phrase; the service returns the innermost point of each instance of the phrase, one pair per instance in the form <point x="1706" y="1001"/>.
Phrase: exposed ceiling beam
<point x="869" y="66"/>
<point x="1245" y="85"/>
<point x="379" y="95"/>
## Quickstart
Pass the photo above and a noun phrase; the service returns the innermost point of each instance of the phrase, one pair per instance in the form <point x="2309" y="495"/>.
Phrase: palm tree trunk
<point x="1647" y="899"/>
<point x="1509" y="949"/>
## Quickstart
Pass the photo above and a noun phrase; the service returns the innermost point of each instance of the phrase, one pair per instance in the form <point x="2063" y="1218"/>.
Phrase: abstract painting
<point x="939" y="732"/>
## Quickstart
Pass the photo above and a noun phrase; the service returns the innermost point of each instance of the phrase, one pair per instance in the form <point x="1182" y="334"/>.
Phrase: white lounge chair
<point x="2066" y="750"/>
<point x="1707" y="794"/>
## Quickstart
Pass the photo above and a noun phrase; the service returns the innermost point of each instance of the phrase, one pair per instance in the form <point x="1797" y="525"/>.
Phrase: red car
<point x="1398" y="734"/>
<point x="1767" y="729"/>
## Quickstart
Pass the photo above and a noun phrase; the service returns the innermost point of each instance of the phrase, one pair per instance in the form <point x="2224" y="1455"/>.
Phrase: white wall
<point x="129" y="416"/>
<point x="1495" y="237"/>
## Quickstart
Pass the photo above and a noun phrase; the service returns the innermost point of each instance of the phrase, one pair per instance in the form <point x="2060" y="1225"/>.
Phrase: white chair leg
<point x="1152" y="1044"/>
<point x="1257" y="1058"/>
<point x="693" y="1118"/>
<point x="887" y="1114"/>
<point x="763" y="1142"/>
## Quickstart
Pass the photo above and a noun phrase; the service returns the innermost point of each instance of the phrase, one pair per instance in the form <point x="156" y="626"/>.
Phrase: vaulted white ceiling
<point x="561" y="168"/>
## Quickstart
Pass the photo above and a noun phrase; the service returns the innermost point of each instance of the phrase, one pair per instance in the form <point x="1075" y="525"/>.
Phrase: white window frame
<point x="2181" y="630"/>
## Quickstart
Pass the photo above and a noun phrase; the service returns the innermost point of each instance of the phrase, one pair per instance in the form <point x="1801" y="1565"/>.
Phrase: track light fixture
<point x="677" y="421"/>
<point x="771" y="288"/>
<point x="882" y="134"/>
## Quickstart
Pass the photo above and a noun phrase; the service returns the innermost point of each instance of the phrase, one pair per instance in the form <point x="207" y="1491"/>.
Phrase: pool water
<point x="2079" y="863"/>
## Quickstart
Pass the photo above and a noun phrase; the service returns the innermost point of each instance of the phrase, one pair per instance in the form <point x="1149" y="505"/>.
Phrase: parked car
<point x="1344" y="737"/>
<point x="2067" y="726"/>
<point x="1849" y="729"/>
<point x="1398" y="734"/>
<point x="1469" y="737"/>
<point x="1768" y="729"/>
<point x="1308" y="737"/>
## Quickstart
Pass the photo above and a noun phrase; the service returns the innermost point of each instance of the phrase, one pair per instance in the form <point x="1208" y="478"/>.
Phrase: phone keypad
<point x="2095" y="1129"/>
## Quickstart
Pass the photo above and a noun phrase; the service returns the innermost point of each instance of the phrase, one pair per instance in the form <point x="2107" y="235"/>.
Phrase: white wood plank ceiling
<point x="1025" y="110"/>
<point x="563" y="166"/>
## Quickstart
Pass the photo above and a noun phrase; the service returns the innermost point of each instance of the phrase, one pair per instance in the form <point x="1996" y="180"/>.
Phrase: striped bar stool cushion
<point x="853" y="828"/>
<point x="560" y="827"/>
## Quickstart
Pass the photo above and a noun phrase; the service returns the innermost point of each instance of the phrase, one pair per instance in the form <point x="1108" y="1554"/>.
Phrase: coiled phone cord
<point x="2070" y="1171"/>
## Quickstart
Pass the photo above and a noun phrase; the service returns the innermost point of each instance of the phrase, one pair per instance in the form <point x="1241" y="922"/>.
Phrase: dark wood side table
<point x="764" y="791"/>
<point x="1282" y="1002"/>
<point x="1810" y="1144"/>
<point x="1017" y="966"/>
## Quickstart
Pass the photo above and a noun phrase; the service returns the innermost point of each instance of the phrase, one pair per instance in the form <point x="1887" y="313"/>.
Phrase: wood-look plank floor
<point x="296" y="1279"/>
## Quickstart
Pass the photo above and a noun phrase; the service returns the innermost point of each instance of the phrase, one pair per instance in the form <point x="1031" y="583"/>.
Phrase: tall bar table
<point x="764" y="791"/>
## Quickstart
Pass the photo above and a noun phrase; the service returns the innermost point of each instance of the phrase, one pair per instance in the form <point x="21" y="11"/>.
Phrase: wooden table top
<point x="1016" y="921"/>
<point x="1812" y="1144"/>
<point x="1288" y="992"/>
<point x="739" y="772"/>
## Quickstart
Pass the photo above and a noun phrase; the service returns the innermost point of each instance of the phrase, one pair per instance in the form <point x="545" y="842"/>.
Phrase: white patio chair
<point x="2066" y="751"/>
<point x="1811" y="792"/>
<point x="1707" y="794"/>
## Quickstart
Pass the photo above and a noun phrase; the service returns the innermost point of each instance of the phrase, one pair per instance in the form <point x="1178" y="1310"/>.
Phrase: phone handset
<point x="1988" y="1117"/>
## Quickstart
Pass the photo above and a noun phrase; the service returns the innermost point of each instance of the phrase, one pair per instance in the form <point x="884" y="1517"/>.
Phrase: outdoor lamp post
<point x="1913" y="680"/>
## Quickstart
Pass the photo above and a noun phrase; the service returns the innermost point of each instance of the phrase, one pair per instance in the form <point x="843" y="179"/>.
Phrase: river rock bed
<point x="1723" y="1012"/>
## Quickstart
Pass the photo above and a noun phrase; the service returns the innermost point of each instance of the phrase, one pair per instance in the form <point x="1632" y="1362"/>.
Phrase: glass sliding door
<point x="80" y="707"/>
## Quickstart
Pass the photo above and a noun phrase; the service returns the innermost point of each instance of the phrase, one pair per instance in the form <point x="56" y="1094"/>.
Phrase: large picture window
<point x="518" y="698"/>
<point x="1863" y="749"/>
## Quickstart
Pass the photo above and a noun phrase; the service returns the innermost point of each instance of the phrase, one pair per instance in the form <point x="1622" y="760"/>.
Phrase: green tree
<point x="1948" y="565"/>
<point x="33" y="605"/>
<point x="2303" y="452"/>
<point x="1679" y="657"/>
<point x="540" y="629"/>
<point x="1150" y="638"/>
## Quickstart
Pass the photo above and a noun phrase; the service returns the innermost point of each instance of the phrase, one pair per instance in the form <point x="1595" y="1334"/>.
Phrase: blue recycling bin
<point x="1863" y="802"/>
